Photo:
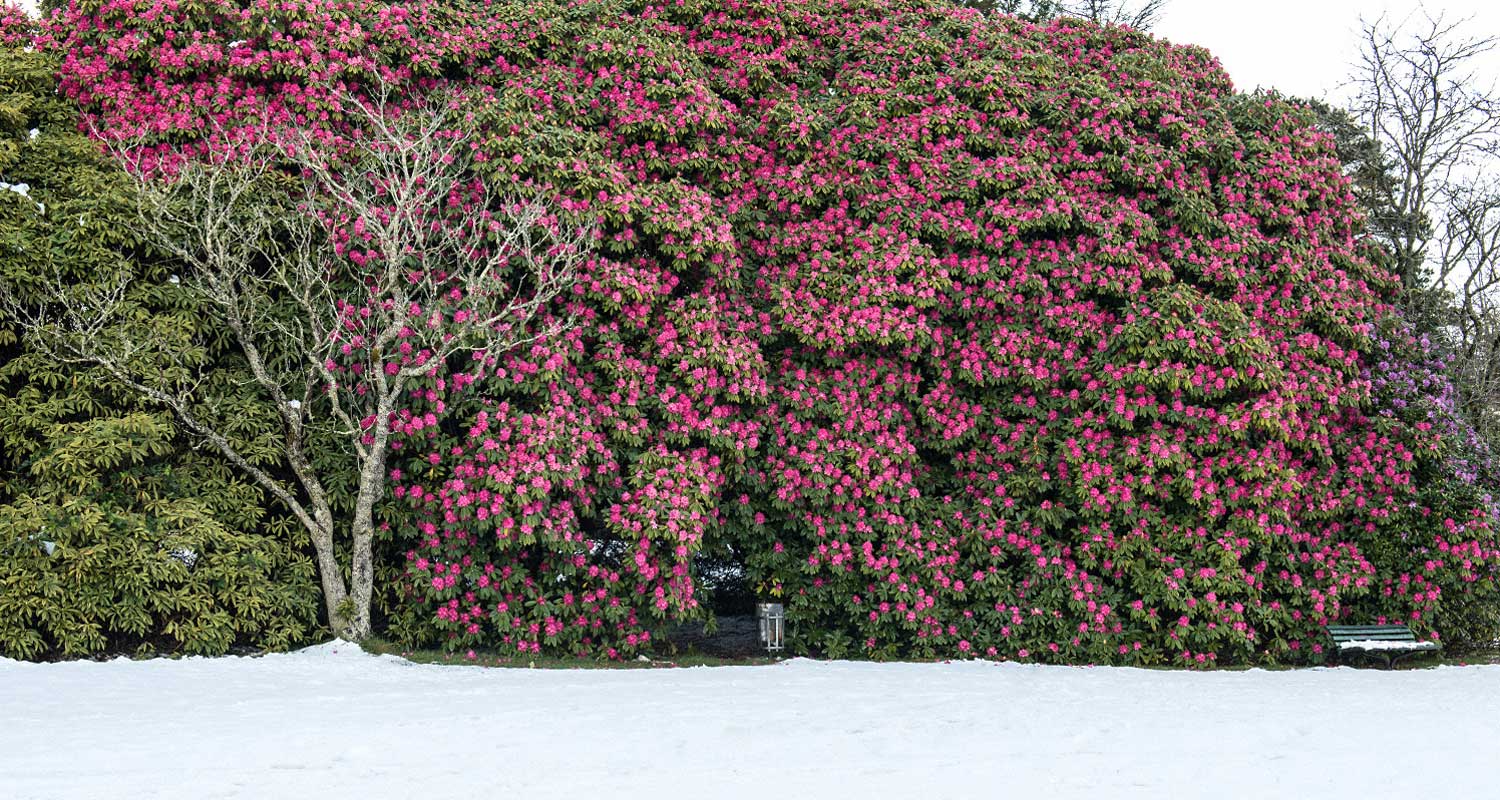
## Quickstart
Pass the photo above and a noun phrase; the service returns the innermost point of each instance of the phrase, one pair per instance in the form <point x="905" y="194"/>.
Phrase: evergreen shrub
<point x="116" y="535"/>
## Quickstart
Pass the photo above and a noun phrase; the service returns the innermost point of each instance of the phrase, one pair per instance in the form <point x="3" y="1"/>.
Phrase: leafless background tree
<point x="1467" y="255"/>
<point x="330" y="347"/>
<point x="1418" y="91"/>
<point x="1141" y="15"/>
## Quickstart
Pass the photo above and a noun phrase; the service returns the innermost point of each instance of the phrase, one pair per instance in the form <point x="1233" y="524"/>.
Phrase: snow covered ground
<point x="334" y="722"/>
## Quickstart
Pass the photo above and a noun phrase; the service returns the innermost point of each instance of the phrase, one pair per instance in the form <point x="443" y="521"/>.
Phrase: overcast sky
<point x="1302" y="47"/>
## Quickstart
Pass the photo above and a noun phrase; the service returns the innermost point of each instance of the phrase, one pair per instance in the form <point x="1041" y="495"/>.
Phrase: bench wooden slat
<point x="1390" y="642"/>
<point x="1356" y="644"/>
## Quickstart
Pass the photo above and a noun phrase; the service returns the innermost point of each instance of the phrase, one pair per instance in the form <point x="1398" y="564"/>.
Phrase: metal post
<point x="772" y="618"/>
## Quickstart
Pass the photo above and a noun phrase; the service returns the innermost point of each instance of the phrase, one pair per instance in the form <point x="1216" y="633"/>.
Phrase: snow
<point x="184" y="554"/>
<point x="333" y="721"/>
<point x="24" y="190"/>
<point x="1376" y="644"/>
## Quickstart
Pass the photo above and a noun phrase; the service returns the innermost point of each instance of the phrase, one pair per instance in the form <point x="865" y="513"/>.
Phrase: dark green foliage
<point x="1376" y="184"/>
<point x="1032" y="10"/>
<point x="137" y="559"/>
<point x="115" y="533"/>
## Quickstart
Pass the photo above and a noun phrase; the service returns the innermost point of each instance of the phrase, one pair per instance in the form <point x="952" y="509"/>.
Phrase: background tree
<point x="1468" y="265"/>
<point x="1417" y="92"/>
<point x="1140" y="15"/>
<point x="1035" y="10"/>
<point x="1375" y="179"/>
<point x="1432" y="124"/>
<point x="383" y="265"/>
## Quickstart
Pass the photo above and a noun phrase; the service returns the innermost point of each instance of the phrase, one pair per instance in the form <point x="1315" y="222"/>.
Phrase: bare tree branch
<point x="1435" y="206"/>
<point x="1417" y="92"/>
<point x="1139" y="15"/>
<point x="344" y="270"/>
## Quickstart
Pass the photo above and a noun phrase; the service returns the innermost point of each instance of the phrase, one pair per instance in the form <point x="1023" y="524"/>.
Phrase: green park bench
<point x="1390" y="643"/>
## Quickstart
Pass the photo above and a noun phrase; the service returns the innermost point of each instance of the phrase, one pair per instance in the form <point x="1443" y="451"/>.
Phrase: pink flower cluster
<point x="969" y="337"/>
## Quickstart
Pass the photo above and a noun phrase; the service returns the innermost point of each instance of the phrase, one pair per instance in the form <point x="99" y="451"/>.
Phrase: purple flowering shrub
<point x="1410" y="377"/>
<point x="969" y="337"/>
<point x="1437" y="551"/>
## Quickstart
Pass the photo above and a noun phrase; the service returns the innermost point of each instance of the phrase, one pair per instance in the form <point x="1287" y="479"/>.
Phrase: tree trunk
<point x="335" y="594"/>
<point x="362" y="567"/>
<point x="362" y="556"/>
<point x="362" y="589"/>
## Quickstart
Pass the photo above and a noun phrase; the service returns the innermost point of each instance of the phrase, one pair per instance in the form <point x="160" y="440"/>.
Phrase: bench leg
<point x="1409" y="653"/>
<point x="1387" y="658"/>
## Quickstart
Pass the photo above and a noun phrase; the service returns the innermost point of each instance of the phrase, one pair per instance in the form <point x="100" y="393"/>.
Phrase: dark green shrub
<point x="115" y="534"/>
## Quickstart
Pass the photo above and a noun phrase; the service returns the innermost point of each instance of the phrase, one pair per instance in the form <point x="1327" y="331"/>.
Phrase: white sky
<point x="1302" y="47"/>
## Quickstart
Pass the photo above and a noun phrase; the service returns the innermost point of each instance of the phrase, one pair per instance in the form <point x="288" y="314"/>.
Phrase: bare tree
<point x="1466" y="250"/>
<point x="1467" y="261"/>
<point x="1436" y="123"/>
<point x="447" y="268"/>
<point x="1417" y="92"/>
<point x="1139" y="15"/>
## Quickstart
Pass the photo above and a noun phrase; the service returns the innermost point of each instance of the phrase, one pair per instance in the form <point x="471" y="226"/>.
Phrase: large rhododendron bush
<point x="959" y="336"/>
